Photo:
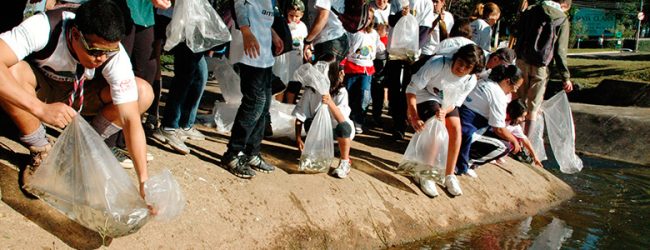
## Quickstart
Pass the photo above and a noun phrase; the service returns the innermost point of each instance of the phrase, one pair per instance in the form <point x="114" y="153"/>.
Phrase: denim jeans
<point x="190" y="77"/>
<point x="377" y="89"/>
<point x="358" y="86"/>
<point x="332" y="49"/>
<point x="248" y="129"/>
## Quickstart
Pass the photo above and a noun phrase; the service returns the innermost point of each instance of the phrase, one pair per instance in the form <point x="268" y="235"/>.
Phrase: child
<point x="251" y="50"/>
<point x="293" y="59"/>
<point x="485" y="16"/>
<point x="424" y="97"/>
<point x="337" y="102"/>
<point x="359" y="68"/>
<point x="377" y="91"/>
<point x="516" y="112"/>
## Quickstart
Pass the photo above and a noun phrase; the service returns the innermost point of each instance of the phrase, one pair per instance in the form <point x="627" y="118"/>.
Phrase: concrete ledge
<point x="617" y="133"/>
<point x="372" y="208"/>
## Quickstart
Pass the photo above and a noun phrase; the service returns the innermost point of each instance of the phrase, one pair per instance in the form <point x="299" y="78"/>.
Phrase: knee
<point x="343" y="130"/>
<point x="145" y="94"/>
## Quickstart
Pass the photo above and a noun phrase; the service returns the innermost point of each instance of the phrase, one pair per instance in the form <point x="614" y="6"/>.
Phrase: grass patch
<point x="591" y="50"/>
<point x="167" y="60"/>
<point x="590" y="72"/>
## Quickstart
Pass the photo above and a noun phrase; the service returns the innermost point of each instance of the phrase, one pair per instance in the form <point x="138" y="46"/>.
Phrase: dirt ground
<point x="372" y="208"/>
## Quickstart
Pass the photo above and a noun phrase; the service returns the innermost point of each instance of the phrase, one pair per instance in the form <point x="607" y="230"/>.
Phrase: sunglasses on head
<point x="94" y="51"/>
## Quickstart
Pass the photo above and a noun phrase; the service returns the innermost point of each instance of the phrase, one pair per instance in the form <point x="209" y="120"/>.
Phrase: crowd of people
<point x="101" y="59"/>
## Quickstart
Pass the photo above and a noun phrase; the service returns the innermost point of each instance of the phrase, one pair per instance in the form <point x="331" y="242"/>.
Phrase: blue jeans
<point x="470" y="123"/>
<point x="190" y="77"/>
<point x="358" y="86"/>
<point x="248" y="129"/>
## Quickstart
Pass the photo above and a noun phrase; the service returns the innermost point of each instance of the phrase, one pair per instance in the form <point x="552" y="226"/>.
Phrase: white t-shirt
<point x="333" y="28"/>
<point x="427" y="84"/>
<point x="489" y="101"/>
<point x="422" y="10"/>
<point x="260" y="14"/>
<point x="481" y="33"/>
<point x="449" y="46"/>
<point x="364" y="47"/>
<point x="33" y="34"/>
<point x="516" y="131"/>
<point x="310" y="102"/>
<point x="431" y="46"/>
<point x="287" y="63"/>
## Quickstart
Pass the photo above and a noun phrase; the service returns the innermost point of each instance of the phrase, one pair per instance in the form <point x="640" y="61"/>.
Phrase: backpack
<point x="537" y="35"/>
<point x="355" y="16"/>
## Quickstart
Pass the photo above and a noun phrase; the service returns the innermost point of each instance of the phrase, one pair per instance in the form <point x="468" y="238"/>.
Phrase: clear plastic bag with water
<point x="196" y="23"/>
<point x="82" y="179"/>
<point x="318" y="153"/>
<point x="404" y="44"/>
<point x="426" y="154"/>
<point x="164" y="194"/>
<point x="561" y="132"/>
<point x="229" y="81"/>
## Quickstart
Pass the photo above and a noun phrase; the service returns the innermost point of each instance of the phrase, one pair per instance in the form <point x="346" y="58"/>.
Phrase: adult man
<point x="74" y="56"/>
<point x="326" y="36"/>
<point x="543" y="36"/>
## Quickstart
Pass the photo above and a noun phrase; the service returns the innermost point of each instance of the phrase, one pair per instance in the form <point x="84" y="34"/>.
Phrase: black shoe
<point x="238" y="166"/>
<point x="268" y="130"/>
<point x="259" y="164"/>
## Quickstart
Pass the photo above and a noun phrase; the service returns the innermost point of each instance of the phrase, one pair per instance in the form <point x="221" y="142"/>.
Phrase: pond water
<point x="611" y="210"/>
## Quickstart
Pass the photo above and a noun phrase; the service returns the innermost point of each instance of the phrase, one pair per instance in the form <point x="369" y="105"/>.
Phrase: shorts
<point x="51" y="91"/>
<point x="429" y="109"/>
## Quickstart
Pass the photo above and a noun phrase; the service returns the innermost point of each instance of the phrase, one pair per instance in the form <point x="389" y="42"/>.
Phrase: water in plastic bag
<point x="404" y="44"/>
<point x="426" y="154"/>
<point x="561" y="132"/>
<point x="164" y="194"/>
<point x="229" y="81"/>
<point x="536" y="137"/>
<point x="82" y="179"/>
<point x="318" y="153"/>
<point x="197" y="24"/>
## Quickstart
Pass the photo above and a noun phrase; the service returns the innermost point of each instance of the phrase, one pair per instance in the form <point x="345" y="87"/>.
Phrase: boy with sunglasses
<point x="75" y="57"/>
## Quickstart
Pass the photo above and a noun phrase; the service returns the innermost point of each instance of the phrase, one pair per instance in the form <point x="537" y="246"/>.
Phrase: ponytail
<point x="505" y="72"/>
<point x="478" y="12"/>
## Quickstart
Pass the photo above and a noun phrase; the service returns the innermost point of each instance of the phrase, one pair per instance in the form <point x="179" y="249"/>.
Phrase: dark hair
<point x="102" y="18"/>
<point x="503" y="72"/>
<point x="506" y="54"/>
<point x="471" y="54"/>
<point x="485" y="10"/>
<point x="333" y="74"/>
<point x="515" y="109"/>
<point x="461" y="28"/>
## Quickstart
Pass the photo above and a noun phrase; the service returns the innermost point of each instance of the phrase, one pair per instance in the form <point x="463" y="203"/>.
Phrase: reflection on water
<point x="611" y="210"/>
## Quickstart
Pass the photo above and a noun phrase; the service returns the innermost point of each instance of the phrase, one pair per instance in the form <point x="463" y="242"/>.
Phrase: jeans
<point x="248" y="129"/>
<point x="190" y="77"/>
<point x="377" y="89"/>
<point x="484" y="149"/>
<point x="358" y="86"/>
<point x="398" y="76"/>
<point x="335" y="49"/>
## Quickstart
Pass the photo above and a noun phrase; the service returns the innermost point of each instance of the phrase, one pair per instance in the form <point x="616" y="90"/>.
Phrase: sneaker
<point x="452" y="185"/>
<point x="149" y="156"/>
<point x="191" y="134"/>
<point x="471" y="173"/>
<point x="358" y="129"/>
<point x="237" y="166"/>
<point x="150" y="123"/>
<point x="259" y="164"/>
<point x="428" y="186"/>
<point x="122" y="157"/>
<point x="171" y="137"/>
<point x="343" y="169"/>
<point x="36" y="157"/>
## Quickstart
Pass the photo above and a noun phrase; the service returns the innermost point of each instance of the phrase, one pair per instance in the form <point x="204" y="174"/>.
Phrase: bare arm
<point x="298" y="129"/>
<point x="530" y="149"/>
<point x="336" y="112"/>
<point x="412" y="112"/>
<point x="317" y="27"/>
<point x="14" y="93"/>
<point x="129" y="119"/>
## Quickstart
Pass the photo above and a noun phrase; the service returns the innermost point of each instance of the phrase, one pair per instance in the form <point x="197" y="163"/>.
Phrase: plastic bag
<point x="404" y="44"/>
<point x="426" y="154"/>
<point x="536" y="137"/>
<point x="561" y="132"/>
<point x="82" y="179"/>
<point x="197" y="24"/>
<point x="318" y="153"/>
<point x="164" y="194"/>
<point x="229" y="81"/>
<point x="282" y="122"/>
<point x="224" y="115"/>
<point x="281" y="68"/>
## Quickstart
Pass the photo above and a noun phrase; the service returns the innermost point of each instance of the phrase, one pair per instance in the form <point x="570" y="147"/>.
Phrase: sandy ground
<point x="372" y="208"/>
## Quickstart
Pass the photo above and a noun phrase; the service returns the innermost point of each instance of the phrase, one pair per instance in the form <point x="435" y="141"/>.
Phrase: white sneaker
<point x="343" y="169"/>
<point x="428" y="186"/>
<point x="452" y="185"/>
<point x="191" y="134"/>
<point x="471" y="173"/>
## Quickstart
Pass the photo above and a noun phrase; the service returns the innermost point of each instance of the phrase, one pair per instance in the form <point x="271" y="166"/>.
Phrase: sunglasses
<point x="96" y="52"/>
